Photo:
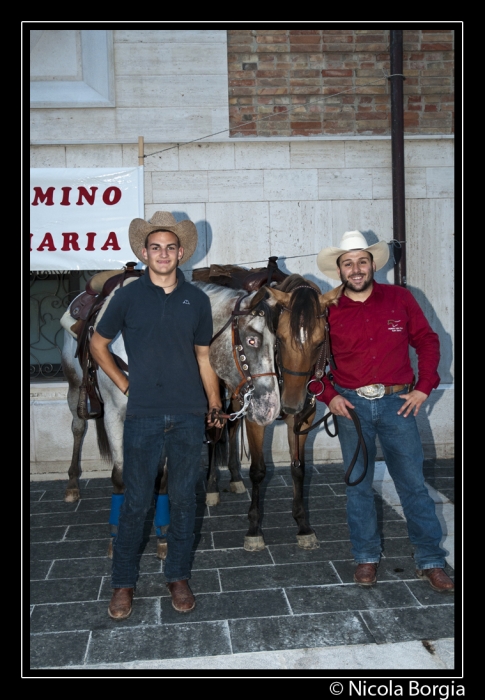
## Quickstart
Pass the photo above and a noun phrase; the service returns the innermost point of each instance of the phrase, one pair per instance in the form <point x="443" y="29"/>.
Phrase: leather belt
<point x="377" y="391"/>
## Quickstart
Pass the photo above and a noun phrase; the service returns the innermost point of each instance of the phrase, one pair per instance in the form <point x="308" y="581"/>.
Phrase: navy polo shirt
<point x="159" y="331"/>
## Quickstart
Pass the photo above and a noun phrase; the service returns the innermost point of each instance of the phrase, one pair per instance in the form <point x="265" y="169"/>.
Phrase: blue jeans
<point x="144" y="439"/>
<point x="403" y="454"/>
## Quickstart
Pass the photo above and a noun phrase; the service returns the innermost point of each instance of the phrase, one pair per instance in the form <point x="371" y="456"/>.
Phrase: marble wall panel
<point x="94" y="156"/>
<point x="317" y="154"/>
<point x="430" y="263"/>
<point x="440" y="182"/>
<point x="348" y="183"/>
<point x="236" y="186"/>
<point x="48" y="156"/>
<point x="169" y="124"/>
<point x="422" y="153"/>
<point x="180" y="187"/>
<point x="172" y="91"/>
<point x="171" y="59"/>
<point x="414" y="183"/>
<point x="206" y="156"/>
<point x="374" y="153"/>
<point x="289" y="185"/>
<point x="264" y="155"/>
<point x="65" y="126"/>
<point x="298" y="232"/>
<point x="240" y="233"/>
<point x="52" y="432"/>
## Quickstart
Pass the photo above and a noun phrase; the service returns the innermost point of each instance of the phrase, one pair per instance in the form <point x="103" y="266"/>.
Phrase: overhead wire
<point x="273" y="114"/>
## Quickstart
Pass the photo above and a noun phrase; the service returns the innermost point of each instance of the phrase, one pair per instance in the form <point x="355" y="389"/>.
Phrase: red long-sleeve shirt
<point x="370" y="342"/>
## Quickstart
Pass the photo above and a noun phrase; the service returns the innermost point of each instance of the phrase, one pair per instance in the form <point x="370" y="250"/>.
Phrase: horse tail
<point x="103" y="442"/>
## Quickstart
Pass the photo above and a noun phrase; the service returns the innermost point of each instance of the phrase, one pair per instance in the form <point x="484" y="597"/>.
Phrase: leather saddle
<point x="237" y="277"/>
<point x="85" y="309"/>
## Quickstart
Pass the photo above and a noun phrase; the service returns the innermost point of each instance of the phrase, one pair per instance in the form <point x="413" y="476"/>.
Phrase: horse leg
<point x="305" y="536"/>
<point x="162" y="509"/>
<point x="212" y="496"/>
<point x="78" y="427"/>
<point x="254" y="540"/>
<point x="220" y="454"/>
<point x="236" y="484"/>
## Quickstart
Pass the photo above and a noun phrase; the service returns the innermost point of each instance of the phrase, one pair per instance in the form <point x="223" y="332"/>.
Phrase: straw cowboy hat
<point x="351" y="240"/>
<point x="163" y="220"/>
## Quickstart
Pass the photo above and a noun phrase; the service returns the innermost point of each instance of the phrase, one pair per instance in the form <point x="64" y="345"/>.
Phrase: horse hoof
<point x="162" y="550"/>
<point x="212" y="499"/>
<point x="110" y="550"/>
<point x="308" y="541"/>
<point x="237" y="487"/>
<point x="72" y="495"/>
<point x="254" y="544"/>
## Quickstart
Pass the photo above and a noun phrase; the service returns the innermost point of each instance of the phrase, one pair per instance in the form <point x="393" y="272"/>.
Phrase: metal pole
<point x="397" y="144"/>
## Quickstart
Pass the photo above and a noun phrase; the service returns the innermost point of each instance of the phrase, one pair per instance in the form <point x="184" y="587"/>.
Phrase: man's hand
<point x="338" y="406"/>
<point x="413" y="400"/>
<point x="214" y="419"/>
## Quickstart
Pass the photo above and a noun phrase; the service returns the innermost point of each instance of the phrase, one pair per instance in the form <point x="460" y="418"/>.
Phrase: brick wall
<point x="272" y="71"/>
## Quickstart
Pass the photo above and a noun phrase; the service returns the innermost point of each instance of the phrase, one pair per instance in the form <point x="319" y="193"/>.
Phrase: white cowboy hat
<point x="351" y="240"/>
<point x="165" y="221"/>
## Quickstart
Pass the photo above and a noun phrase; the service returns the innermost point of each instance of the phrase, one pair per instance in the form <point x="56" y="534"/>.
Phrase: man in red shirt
<point x="371" y="329"/>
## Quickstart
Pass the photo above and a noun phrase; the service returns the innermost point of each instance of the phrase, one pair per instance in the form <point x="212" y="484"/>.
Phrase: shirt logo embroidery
<point x="186" y="301"/>
<point x="394" y="326"/>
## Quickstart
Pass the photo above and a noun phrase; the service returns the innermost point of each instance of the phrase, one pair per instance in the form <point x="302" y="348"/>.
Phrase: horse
<point x="301" y="347"/>
<point x="252" y="382"/>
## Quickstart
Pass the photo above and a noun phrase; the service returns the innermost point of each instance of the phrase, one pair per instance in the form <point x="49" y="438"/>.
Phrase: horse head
<point x="300" y="334"/>
<point x="242" y="355"/>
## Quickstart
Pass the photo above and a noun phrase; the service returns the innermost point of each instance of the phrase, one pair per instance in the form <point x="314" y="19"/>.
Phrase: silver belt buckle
<point x="372" y="391"/>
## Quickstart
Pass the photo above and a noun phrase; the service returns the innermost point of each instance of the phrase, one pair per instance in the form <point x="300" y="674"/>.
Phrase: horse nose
<point x="291" y="410"/>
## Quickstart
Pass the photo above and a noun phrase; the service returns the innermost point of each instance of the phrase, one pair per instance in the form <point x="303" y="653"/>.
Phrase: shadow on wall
<point x="204" y="242"/>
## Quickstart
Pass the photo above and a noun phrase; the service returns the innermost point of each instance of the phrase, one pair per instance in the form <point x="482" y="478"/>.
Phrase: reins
<point x="302" y="416"/>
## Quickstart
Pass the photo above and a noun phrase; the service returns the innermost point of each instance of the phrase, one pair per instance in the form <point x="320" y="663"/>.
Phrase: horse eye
<point x="253" y="341"/>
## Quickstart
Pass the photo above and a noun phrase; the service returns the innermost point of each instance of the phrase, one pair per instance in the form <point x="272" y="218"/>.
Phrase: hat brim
<point x="185" y="230"/>
<point x="327" y="258"/>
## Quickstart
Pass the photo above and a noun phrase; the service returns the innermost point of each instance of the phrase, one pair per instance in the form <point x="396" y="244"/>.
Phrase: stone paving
<point x="282" y="598"/>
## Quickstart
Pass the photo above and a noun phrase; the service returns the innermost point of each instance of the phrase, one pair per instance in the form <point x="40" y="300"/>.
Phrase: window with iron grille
<point x="51" y="292"/>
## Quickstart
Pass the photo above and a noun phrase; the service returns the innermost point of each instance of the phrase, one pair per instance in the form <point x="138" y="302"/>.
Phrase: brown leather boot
<point x="182" y="597"/>
<point x="121" y="603"/>
<point x="437" y="579"/>
<point x="366" y="574"/>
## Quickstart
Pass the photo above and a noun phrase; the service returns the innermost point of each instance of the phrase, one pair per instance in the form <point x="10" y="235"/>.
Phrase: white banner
<point x="79" y="217"/>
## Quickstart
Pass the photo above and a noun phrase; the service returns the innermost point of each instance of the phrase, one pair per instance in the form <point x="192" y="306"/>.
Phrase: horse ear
<point x="332" y="297"/>
<point x="259" y="296"/>
<point x="277" y="297"/>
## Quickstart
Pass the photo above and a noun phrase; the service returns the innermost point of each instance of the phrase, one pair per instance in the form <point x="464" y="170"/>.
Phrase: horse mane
<point x="304" y="306"/>
<point x="221" y="296"/>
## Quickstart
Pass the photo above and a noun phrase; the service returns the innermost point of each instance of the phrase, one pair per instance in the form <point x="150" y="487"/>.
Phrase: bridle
<point x="245" y="388"/>
<point x="323" y="357"/>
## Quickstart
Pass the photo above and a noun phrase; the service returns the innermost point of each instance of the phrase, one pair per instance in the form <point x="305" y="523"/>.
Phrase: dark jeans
<point x="144" y="439"/>
<point x="403" y="454"/>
